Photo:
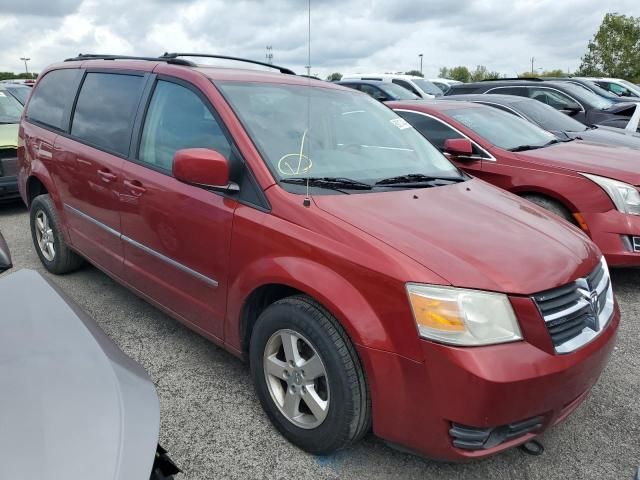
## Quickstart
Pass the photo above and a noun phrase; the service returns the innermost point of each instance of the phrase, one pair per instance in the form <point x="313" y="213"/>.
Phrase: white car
<point x="416" y="85"/>
<point x="443" y="84"/>
<point x="620" y="87"/>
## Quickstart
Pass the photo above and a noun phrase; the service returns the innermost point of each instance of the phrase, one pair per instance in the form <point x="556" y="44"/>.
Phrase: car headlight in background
<point x="460" y="316"/>
<point x="625" y="197"/>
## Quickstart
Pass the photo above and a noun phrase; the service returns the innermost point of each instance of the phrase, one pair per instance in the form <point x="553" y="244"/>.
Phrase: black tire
<point x="65" y="260"/>
<point x="551" y="205"/>
<point x="349" y="409"/>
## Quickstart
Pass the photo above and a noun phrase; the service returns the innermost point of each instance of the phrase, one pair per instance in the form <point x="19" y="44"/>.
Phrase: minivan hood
<point x="472" y="234"/>
<point x="620" y="163"/>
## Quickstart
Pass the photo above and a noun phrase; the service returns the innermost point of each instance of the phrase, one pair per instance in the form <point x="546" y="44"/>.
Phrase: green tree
<point x="415" y="73"/>
<point x="614" y="50"/>
<point x="13" y="76"/>
<point x="547" y="73"/>
<point x="444" y="72"/>
<point x="482" y="73"/>
<point x="334" y="77"/>
<point x="459" y="73"/>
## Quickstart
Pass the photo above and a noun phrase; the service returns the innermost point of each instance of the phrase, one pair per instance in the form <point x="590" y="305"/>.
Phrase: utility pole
<point x="25" y="60"/>
<point x="269" y="54"/>
<point x="532" y="71"/>
<point x="420" y="55"/>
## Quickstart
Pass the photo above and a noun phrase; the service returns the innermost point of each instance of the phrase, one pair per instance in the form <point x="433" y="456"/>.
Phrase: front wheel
<point x="308" y="376"/>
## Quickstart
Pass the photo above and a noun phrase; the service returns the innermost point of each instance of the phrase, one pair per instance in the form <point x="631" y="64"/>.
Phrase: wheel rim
<point x="297" y="379"/>
<point x="44" y="236"/>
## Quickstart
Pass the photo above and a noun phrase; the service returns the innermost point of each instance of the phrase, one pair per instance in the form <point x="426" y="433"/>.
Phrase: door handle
<point x="135" y="187"/>
<point x="107" y="176"/>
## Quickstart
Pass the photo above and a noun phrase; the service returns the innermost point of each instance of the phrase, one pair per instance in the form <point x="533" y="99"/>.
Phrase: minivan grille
<point x="8" y="162"/>
<point x="636" y="244"/>
<point x="474" y="438"/>
<point x="576" y="313"/>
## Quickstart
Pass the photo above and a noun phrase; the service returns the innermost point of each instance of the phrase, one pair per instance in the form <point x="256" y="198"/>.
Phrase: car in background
<point x="19" y="81"/>
<point x="381" y="91"/>
<point x="553" y="121"/>
<point x="73" y="405"/>
<point x="443" y="84"/>
<point x="573" y="100"/>
<point x="416" y="85"/>
<point x="10" y="113"/>
<point x="594" y="88"/>
<point x="594" y="187"/>
<point x="619" y="86"/>
<point x="309" y="229"/>
<point x="19" y="91"/>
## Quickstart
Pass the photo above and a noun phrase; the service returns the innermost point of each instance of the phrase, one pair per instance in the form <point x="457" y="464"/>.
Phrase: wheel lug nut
<point x="286" y="374"/>
<point x="304" y="389"/>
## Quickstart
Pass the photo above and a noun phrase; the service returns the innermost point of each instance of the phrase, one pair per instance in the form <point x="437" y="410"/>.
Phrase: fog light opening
<point x="532" y="447"/>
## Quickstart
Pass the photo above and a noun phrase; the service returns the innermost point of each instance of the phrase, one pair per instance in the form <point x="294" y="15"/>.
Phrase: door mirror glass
<point x="458" y="148"/>
<point x="5" y="257"/>
<point x="203" y="167"/>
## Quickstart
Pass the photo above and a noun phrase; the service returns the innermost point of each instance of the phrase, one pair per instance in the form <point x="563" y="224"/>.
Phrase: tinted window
<point x="435" y="131"/>
<point x="397" y="92"/>
<point x="375" y="92"/>
<point x="553" y="98"/>
<point x="548" y="118"/>
<point x="10" y="108"/>
<point x="406" y="85"/>
<point x="520" y="91"/>
<point x="104" y="113"/>
<point x="20" y="93"/>
<point x="53" y="96"/>
<point x="177" y="118"/>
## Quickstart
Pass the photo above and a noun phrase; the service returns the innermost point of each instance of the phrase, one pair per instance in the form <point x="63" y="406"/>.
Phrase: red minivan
<point x="593" y="186"/>
<point x="309" y="229"/>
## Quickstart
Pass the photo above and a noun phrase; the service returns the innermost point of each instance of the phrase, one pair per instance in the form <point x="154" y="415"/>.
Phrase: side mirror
<point x="570" y="109"/>
<point x="5" y="256"/>
<point x="458" y="148"/>
<point x="203" y="167"/>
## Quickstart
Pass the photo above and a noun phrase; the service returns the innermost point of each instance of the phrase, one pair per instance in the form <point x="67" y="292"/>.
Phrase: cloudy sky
<point x="347" y="35"/>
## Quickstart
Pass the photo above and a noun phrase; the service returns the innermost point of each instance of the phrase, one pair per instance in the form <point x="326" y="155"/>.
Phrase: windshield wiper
<point x="416" y="180"/>
<point x="335" y="183"/>
<point x="523" y="148"/>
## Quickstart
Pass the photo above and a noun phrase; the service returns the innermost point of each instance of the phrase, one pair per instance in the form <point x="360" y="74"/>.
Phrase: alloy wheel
<point x="44" y="236"/>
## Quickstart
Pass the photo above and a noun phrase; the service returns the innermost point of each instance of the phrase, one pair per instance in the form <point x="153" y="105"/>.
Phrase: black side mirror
<point x="5" y="256"/>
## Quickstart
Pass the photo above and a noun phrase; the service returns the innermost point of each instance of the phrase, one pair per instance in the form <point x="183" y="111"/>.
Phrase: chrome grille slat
<point x="577" y="312"/>
<point x="636" y="244"/>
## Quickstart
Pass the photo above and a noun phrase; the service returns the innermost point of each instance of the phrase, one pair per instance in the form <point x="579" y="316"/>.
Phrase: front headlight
<point x="462" y="317"/>
<point x="625" y="197"/>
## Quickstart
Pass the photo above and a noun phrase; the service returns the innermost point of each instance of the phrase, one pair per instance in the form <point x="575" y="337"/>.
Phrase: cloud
<point x="347" y="35"/>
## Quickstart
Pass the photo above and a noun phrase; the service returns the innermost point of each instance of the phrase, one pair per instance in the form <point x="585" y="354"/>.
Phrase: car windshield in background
<point x="397" y="92"/>
<point x="548" y="117"/>
<point x="10" y="108"/>
<point x="20" y="93"/>
<point x="323" y="132"/>
<point x="582" y="94"/>
<point x="427" y="86"/>
<point x="502" y="129"/>
<point x="634" y="88"/>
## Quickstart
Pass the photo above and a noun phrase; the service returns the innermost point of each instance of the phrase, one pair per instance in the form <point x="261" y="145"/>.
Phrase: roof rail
<point x="174" y="56"/>
<point x="97" y="56"/>
<point x="528" y="79"/>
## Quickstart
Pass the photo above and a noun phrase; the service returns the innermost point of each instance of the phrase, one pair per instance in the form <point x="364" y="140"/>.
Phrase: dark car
<point x="593" y="87"/>
<point x="307" y="228"/>
<point x="574" y="100"/>
<point x="381" y="91"/>
<point x="553" y="121"/>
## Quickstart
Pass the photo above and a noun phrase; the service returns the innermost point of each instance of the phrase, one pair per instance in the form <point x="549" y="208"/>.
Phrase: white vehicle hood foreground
<point x="72" y="405"/>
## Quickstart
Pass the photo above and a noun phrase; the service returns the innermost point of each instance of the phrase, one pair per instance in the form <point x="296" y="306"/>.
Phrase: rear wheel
<point x="551" y="205"/>
<point x="308" y="376"/>
<point x="48" y="240"/>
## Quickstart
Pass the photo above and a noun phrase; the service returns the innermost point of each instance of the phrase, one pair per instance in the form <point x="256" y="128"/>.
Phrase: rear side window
<point x="105" y="110"/>
<point x="52" y="98"/>
<point x="177" y="118"/>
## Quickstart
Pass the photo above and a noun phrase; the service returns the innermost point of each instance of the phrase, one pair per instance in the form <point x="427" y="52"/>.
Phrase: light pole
<point x="420" y="55"/>
<point x="25" y="60"/>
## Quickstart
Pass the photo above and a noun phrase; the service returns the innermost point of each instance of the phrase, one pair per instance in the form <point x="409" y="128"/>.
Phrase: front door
<point x="176" y="236"/>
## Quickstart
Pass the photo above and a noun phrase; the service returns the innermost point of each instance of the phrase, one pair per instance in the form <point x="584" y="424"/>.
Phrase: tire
<point x="347" y="414"/>
<point x="61" y="259"/>
<point x="552" y="206"/>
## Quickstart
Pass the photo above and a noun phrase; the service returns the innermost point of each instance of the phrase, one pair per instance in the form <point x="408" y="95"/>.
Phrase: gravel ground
<point x="213" y="426"/>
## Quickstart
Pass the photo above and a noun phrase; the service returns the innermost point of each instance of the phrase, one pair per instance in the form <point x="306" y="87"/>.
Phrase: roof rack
<point x="174" y="56"/>
<point x="97" y="56"/>
<point x="527" y="79"/>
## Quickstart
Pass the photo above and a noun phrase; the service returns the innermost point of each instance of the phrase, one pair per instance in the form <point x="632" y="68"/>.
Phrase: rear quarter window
<point x="52" y="98"/>
<point x="105" y="110"/>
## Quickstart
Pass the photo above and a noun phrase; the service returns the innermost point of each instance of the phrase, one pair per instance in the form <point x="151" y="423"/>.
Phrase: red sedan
<point x="595" y="187"/>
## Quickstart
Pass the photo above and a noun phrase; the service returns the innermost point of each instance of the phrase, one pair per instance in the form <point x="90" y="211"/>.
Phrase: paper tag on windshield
<point x="2" y="94"/>
<point x="401" y="123"/>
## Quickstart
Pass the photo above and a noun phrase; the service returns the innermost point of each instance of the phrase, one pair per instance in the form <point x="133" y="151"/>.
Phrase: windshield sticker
<point x="401" y="123"/>
<point x="2" y="94"/>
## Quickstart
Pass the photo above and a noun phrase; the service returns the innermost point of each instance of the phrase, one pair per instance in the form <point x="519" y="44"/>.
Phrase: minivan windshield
<point x="304" y="131"/>
<point x="10" y="108"/>
<point x="396" y="91"/>
<point x="501" y="128"/>
<point x="427" y="86"/>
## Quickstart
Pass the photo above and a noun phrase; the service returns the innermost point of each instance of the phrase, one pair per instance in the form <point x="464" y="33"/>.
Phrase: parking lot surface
<point x="213" y="426"/>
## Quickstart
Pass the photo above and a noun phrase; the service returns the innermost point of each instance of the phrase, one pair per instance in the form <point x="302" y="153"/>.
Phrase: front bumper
<point x="416" y="405"/>
<point x="614" y="233"/>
